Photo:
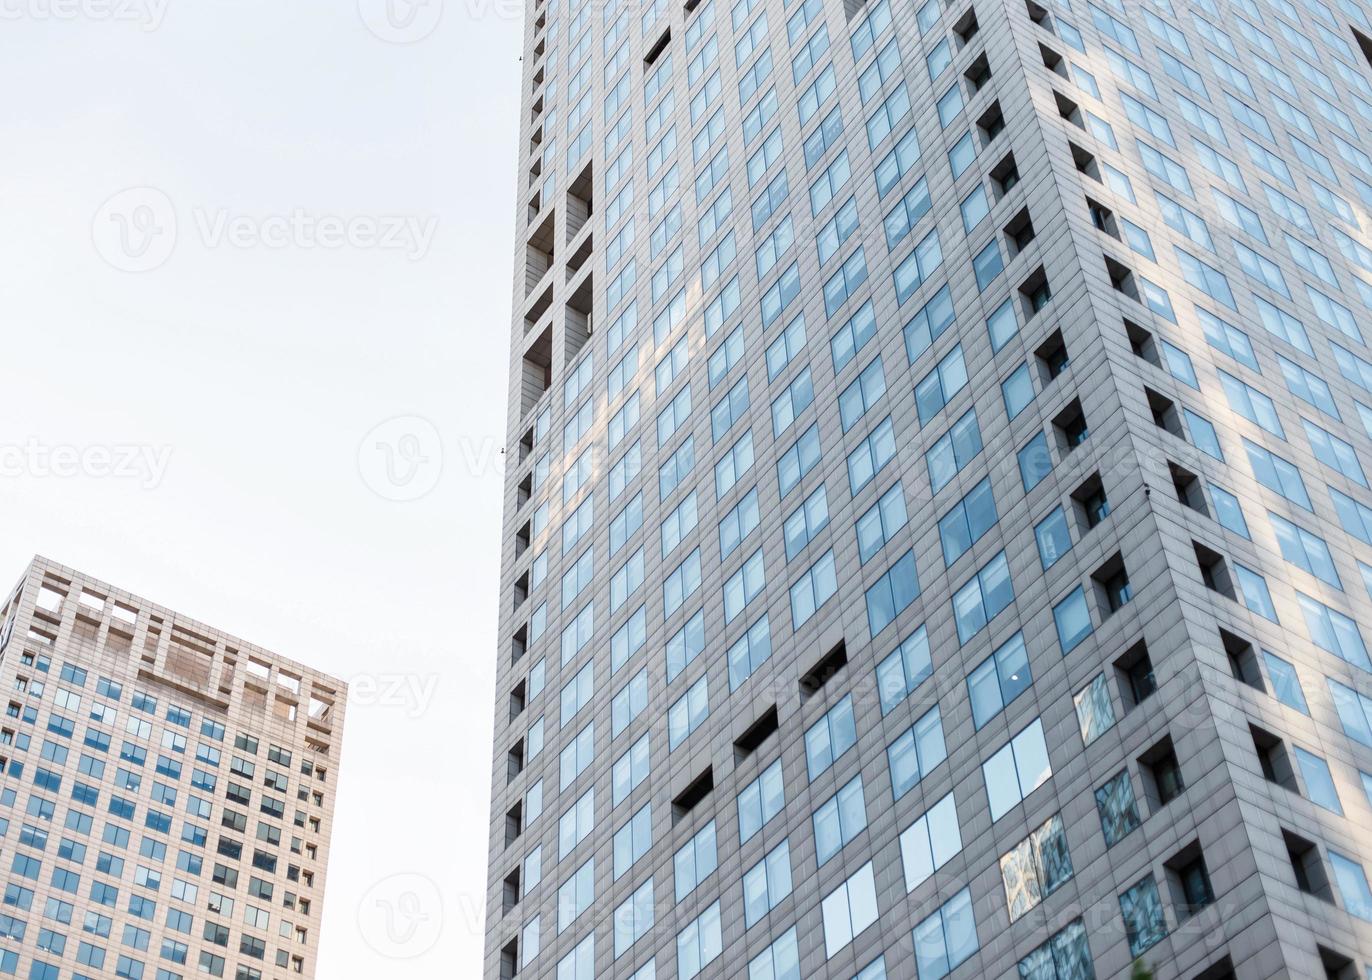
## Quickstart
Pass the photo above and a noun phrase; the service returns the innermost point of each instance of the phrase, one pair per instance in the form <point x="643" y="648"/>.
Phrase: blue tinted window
<point x="1073" y="619"/>
<point x="1227" y="510"/>
<point x="1034" y="462"/>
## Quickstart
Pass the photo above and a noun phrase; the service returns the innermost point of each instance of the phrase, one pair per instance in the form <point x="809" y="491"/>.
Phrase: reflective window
<point x="1353" y="887"/>
<point x="695" y="861"/>
<point x="1305" y="550"/>
<point x="779" y="961"/>
<point x="1034" y="462"/>
<point x="630" y="769"/>
<point x="876" y="970"/>
<point x="1144" y="921"/>
<point x="861" y="394"/>
<point x="872" y="455"/>
<point x="839" y="819"/>
<point x="916" y="751"/>
<point x="1354" y="710"/>
<point x="749" y="652"/>
<point x="1119" y="813"/>
<point x="945" y="939"/>
<point x="575" y="895"/>
<point x="984" y="596"/>
<point x="1095" y="712"/>
<point x="1065" y="956"/>
<point x="849" y="909"/>
<point x="1053" y="539"/>
<point x="799" y="459"/>
<point x="1228" y="339"/>
<point x="1286" y="683"/>
<point x="744" y="585"/>
<point x="633" y="840"/>
<point x="934" y="390"/>
<point x="928" y="324"/>
<point x="930" y="842"/>
<point x="685" y="645"/>
<point x="892" y="593"/>
<point x="1035" y="868"/>
<point x="699" y="944"/>
<point x="766" y="883"/>
<point x="760" y="801"/>
<point x="1001" y="325"/>
<point x="830" y="737"/>
<point x="904" y="669"/>
<point x="1334" y="452"/>
<point x="988" y="264"/>
<point x="794" y="399"/>
<point x="1319" y="782"/>
<point x="1016" y="770"/>
<point x="575" y="824"/>
<point x="1278" y="475"/>
<point x="1203" y="434"/>
<point x="579" y="964"/>
<point x="813" y="589"/>
<point x="998" y="680"/>
<point x="969" y="519"/>
<point x="1017" y="391"/>
<point x="1331" y="630"/>
<point x="687" y="712"/>
<point x="1228" y="511"/>
<point x="1073" y="619"/>
<point x="1254" y="593"/>
<point x="853" y="336"/>
<point x="634" y="918"/>
<point x="1252" y="404"/>
<point x="786" y="346"/>
<point x="880" y="521"/>
<point x="738" y="524"/>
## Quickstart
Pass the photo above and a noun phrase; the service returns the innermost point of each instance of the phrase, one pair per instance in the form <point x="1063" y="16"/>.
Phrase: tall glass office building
<point x="938" y="536"/>
<point x="167" y="795"/>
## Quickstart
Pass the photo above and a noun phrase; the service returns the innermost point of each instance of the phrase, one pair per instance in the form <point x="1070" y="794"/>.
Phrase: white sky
<point x="253" y="365"/>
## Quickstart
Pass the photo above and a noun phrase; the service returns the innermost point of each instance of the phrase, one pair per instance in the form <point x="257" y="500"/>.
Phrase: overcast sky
<point x="254" y="288"/>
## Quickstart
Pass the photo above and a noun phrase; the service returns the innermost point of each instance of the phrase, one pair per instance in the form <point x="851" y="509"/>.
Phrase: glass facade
<point x="962" y="414"/>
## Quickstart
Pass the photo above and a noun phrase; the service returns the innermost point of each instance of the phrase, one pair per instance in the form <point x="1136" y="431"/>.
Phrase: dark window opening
<point x="1185" y="484"/>
<point x="1273" y="759"/>
<point x="1111" y="582"/>
<point x="1162" y="774"/>
<point x="1134" y="669"/>
<point x="1005" y="175"/>
<point x="694" y="793"/>
<point x="825" y="668"/>
<point x="1243" y="660"/>
<point x="1052" y="357"/>
<point x="1307" y="866"/>
<point x="1190" y="881"/>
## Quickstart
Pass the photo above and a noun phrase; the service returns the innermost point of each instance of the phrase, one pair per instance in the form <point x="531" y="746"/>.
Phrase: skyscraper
<point x="938" y="537"/>
<point x="167" y="791"/>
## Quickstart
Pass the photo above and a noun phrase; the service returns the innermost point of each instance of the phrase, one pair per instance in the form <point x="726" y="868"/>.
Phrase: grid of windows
<point x="115" y="777"/>
<point x="1236" y="224"/>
